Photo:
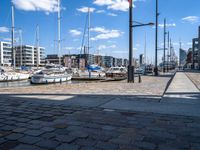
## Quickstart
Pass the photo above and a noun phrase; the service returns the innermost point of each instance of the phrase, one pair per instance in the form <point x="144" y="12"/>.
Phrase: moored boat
<point x="93" y="72"/>
<point x="116" y="72"/>
<point x="52" y="75"/>
<point x="9" y="76"/>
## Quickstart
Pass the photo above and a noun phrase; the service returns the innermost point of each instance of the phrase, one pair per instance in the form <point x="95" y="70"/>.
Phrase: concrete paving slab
<point x="68" y="100"/>
<point x="154" y="107"/>
<point x="182" y="84"/>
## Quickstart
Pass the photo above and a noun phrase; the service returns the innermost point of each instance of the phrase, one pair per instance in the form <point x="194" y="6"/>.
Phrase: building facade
<point x="182" y="57"/>
<point x="195" y="53"/>
<point x="73" y="61"/>
<point x="53" y="59"/>
<point x="27" y="55"/>
<point x="107" y="61"/>
<point x="5" y="54"/>
<point x="189" y="59"/>
<point x="141" y="59"/>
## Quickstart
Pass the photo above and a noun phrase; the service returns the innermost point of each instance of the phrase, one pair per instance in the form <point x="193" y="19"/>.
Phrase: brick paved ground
<point x="38" y="124"/>
<point x="149" y="86"/>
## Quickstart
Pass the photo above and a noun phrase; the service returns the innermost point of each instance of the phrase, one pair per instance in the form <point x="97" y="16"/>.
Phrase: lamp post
<point x="156" y="42"/>
<point x="130" y="66"/>
<point x="131" y="26"/>
<point x="164" y="60"/>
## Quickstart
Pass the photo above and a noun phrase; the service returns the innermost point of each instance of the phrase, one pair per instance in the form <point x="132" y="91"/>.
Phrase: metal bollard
<point x="139" y="78"/>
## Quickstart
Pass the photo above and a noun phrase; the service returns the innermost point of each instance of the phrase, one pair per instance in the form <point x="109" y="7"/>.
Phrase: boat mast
<point x="59" y="32"/>
<point x="20" y="33"/>
<point x="13" y="38"/>
<point x="145" y="49"/>
<point x="88" y="32"/>
<point x="37" y="39"/>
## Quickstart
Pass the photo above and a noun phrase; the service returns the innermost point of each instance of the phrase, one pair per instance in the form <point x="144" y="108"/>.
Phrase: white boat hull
<point x="13" y="77"/>
<point x="48" y="80"/>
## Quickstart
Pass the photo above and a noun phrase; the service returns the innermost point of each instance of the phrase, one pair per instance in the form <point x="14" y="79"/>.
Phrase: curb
<point x="168" y="84"/>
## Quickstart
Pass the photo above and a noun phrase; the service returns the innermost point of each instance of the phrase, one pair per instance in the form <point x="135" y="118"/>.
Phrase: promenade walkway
<point x="182" y="84"/>
<point x="106" y="116"/>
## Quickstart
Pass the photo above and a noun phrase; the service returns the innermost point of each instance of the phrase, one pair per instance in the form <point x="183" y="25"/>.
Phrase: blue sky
<point x="109" y="24"/>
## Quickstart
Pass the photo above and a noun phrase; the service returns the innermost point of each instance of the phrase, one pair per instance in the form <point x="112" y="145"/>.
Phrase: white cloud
<point x="120" y="52"/>
<point x="69" y="48"/>
<point x="176" y="43"/>
<point x="99" y="29"/>
<point x="100" y="11"/>
<point x="48" y="6"/>
<point x="7" y="39"/>
<point x="85" y="9"/>
<point x="118" y="5"/>
<point x="137" y="45"/>
<point x="191" y="19"/>
<point x="167" y="25"/>
<point x="100" y="47"/>
<point x="189" y="43"/>
<point x="103" y="2"/>
<point x="75" y="32"/>
<point x="104" y="34"/>
<point x="4" y="30"/>
<point x="112" y="14"/>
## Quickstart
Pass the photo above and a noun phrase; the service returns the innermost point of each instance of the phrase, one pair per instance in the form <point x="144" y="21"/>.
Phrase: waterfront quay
<point x="161" y="113"/>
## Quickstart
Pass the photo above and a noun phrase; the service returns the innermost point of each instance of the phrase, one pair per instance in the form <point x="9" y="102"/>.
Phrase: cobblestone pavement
<point x="41" y="125"/>
<point x="149" y="86"/>
<point x="27" y="125"/>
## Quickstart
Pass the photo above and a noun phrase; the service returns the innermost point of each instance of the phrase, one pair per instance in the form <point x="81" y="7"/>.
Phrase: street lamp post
<point x="130" y="67"/>
<point x="156" y="42"/>
<point x="164" y="45"/>
<point x="131" y="26"/>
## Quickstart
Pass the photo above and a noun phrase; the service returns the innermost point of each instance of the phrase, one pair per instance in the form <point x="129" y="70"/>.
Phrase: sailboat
<point x="92" y="71"/>
<point x="53" y="73"/>
<point x="8" y="74"/>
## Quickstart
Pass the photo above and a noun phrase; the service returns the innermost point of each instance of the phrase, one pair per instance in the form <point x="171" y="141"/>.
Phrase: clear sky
<point x="109" y="24"/>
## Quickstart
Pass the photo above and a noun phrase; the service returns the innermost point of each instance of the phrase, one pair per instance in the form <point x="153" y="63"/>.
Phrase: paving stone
<point x="14" y="136"/>
<point x="2" y="140"/>
<point x="26" y="147"/>
<point x="86" y="142"/>
<point x="8" y="128"/>
<point x="48" y="135"/>
<point x="34" y="132"/>
<point x="196" y="146"/>
<point x="50" y="144"/>
<point x="19" y="130"/>
<point x="60" y="126"/>
<point x="89" y="148"/>
<point x="9" y="145"/>
<point x="106" y="146"/>
<point x="120" y="141"/>
<point x="29" y="139"/>
<point x="67" y="147"/>
<point x="129" y="147"/>
<point x="166" y="147"/>
<point x="108" y="127"/>
<point x="21" y="124"/>
<point x="146" y="145"/>
<point x="65" y="138"/>
<point x="24" y="120"/>
<point x="48" y="129"/>
<point x="4" y="133"/>
<point x="34" y="126"/>
<point x="79" y="134"/>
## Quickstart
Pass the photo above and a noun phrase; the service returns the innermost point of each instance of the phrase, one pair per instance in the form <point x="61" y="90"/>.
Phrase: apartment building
<point x="5" y="54"/>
